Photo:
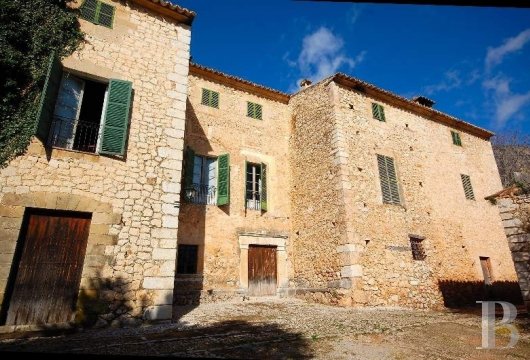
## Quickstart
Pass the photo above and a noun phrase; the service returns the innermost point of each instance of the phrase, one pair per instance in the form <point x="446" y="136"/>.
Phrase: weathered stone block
<point x="164" y="254"/>
<point x="351" y="271"/>
<point x="162" y="312"/>
<point x="161" y="283"/>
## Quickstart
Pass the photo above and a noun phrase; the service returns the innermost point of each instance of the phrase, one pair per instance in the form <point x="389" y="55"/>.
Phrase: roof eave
<point x="178" y="13"/>
<point x="237" y="83"/>
<point x="410" y="105"/>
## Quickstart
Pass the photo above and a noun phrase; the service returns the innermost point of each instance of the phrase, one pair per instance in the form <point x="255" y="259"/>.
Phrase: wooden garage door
<point x="49" y="270"/>
<point x="261" y="270"/>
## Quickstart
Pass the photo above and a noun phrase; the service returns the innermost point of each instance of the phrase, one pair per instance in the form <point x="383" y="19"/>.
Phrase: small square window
<point x="98" y="12"/>
<point x="378" y="112"/>
<point x="416" y="245"/>
<point x="254" y="110"/>
<point x="456" y="138"/>
<point x="210" y="98"/>
<point x="187" y="259"/>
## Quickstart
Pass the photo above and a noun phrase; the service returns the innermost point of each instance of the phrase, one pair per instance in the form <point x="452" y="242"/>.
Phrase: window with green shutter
<point x="263" y="195"/>
<point x="210" y="98"/>
<point x="84" y="115"/>
<point x="388" y="178"/>
<point x="223" y="179"/>
<point x="256" y="186"/>
<point x="456" y="138"/>
<point x="378" y="112"/>
<point x="48" y="97"/>
<point x="98" y="12"/>
<point x="468" y="189"/>
<point x="254" y="110"/>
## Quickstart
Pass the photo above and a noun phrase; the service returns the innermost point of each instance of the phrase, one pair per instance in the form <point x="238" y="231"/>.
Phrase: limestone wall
<point x="515" y="214"/>
<point x="318" y="218"/>
<point x="346" y="231"/>
<point x="132" y="200"/>
<point x="218" y="230"/>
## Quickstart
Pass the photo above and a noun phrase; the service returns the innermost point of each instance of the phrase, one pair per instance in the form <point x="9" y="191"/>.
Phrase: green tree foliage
<point x="30" y="30"/>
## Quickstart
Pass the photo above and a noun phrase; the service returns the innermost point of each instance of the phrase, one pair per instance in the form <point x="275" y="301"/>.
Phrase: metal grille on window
<point x="418" y="252"/>
<point x="468" y="189"/>
<point x="253" y="187"/>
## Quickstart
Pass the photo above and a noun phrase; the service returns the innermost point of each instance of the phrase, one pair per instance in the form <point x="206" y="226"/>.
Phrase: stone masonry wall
<point x="318" y="218"/>
<point x="218" y="230"/>
<point x="456" y="231"/>
<point x="515" y="214"/>
<point x="132" y="243"/>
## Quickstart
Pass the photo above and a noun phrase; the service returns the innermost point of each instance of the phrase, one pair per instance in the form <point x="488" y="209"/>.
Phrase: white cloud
<point x="451" y="80"/>
<point x="495" y="55"/>
<point x="509" y="106"/>
<point x="506" y="103"/>
<point x="323" y="54"/>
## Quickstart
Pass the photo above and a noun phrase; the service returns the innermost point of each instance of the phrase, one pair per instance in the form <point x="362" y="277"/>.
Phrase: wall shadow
<point x="234" y="339"/>
<point x="188" y="288"/>
<point x="462" y="294"/>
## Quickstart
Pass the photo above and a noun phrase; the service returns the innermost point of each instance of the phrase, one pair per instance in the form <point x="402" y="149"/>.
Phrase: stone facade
<point x="223" y="233"/>
<point x="335" y="239"/>
<point x="515" y="214"/>
<point x="366" y="255"/>
<point x="132" y="243"/>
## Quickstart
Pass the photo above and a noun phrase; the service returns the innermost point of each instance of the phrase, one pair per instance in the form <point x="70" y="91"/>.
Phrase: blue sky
<point x="474" y="62"/>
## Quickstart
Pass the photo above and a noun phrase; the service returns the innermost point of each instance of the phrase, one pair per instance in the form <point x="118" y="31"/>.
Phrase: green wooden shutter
<point x="381" y="113"/>
<point x="105" y="14"/>
<point x="89" y="10"/>
<point x="250" y="109"/>
<point x="263" y="195"/>
<point x="189" y="163"/>
<point x="378" y="112"/>
<point x="223" y="179"/>
<point x="388" y="178"/>
<point x="48" y="97"/>
<point x="468" y="189"/>
<point x="258" y="111"/>
<point x="205" y="98"/>
<point x="114" y="136"/>
<point x="456" y="138"/>
<point x="214" y="99"/>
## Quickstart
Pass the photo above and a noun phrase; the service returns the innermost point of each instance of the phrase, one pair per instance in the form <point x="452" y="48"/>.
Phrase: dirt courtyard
<point x="288" y="328"/>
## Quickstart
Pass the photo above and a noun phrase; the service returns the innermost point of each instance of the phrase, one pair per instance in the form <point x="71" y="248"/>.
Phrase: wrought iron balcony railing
<point x="253" y="200"/>
<point x="70" y="134"/>
<point x="204" y="194"/>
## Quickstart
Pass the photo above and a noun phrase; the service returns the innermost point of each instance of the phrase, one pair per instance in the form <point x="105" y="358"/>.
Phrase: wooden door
<point x="49" y="270"/>
<point x="261" y="270"/>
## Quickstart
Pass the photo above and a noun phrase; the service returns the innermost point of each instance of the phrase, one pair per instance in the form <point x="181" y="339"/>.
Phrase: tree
<point x="30" y="30"/>
<point x="512" y="153"/>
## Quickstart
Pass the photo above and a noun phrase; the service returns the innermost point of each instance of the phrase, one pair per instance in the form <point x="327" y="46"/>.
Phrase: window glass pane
<point x="197" y="170"/>
<point x="212" y="171"/>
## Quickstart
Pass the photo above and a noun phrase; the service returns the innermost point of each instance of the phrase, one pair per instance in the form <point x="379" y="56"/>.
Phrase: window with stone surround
<point x="416" y="245"/>
<point x="256" y="186"/>
<point x="97" y="12"/>
<point x="210" y="98"/>
<point x="206" y="178"/>
<point x="84" y="114"/>
<point x="187" y="258"/>
<point x="388" y="179"/>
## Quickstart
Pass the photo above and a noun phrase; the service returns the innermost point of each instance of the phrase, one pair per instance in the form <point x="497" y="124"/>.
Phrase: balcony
<point x="204" y="194"/>
<point x="253" y="200"/>
<point x="70" y="134"/>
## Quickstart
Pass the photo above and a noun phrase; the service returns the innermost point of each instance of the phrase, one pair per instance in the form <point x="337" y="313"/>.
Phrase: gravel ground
<point x="288" y="328"/>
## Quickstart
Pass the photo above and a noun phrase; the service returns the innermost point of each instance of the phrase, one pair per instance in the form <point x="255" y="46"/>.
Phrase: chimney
<point x="422" y="100"/>
<point x="305" y="83"/>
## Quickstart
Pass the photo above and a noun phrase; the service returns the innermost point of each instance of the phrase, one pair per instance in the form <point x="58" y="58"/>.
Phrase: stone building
<point x="97" y="189"/>
<point x="341" y="193"/>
